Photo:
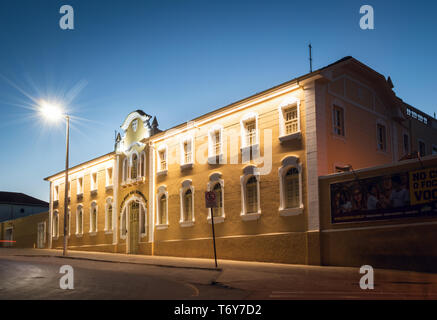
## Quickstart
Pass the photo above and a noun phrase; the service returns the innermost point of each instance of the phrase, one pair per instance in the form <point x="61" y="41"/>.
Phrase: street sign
<point x="210" y="199"/>
<point x="211" y="202"/>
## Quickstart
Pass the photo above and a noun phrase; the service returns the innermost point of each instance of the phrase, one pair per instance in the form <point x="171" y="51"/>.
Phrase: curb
<point x="127" y="262"/>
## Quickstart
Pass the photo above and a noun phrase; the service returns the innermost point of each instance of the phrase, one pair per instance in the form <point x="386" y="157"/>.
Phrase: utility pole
<point x="67" y="118"/>
<point x="311" y="58"/>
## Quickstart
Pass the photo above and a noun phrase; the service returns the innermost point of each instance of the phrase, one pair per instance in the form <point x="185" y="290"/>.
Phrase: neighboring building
<point x="419" y="132"/>
<point x="262" y="155"/>
<point x="26" y="232"/>
<point x="15" y="205"/>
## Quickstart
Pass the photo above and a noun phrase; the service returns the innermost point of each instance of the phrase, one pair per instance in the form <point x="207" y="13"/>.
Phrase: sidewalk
<point x="161" y="261"/>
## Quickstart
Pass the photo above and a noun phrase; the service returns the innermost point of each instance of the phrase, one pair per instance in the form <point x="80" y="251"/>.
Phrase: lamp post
<point x="53" y="113"/>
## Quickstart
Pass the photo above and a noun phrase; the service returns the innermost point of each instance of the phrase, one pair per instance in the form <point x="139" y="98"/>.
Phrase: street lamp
<point x="53" y="113"/>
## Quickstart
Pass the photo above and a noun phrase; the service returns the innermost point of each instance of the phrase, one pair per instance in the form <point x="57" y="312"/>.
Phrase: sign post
<point x="211" y="202"/>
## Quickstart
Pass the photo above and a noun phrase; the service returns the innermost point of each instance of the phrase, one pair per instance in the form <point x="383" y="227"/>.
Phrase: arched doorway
<point x="133" y="223"/>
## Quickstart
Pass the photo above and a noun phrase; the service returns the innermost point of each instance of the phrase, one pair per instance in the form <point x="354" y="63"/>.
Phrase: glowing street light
<point x="53" y="113"/>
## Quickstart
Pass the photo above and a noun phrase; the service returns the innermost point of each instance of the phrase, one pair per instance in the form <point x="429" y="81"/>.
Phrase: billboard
<point x="398" y="195"/>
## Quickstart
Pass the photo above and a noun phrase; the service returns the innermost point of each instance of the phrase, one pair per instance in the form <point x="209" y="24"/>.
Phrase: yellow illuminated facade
<point x="262" y="156"/>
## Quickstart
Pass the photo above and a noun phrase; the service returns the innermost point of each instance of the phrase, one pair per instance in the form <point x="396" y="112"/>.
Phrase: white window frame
<point x="162" y="190"/>
<point x="131" y="159"/>
<point x="249" y="117"/>
<point x="141" y="222"/>
<point x="125" y="170"/>
<point x="338" y="104"/>
<point x="187" y="184"/>
<point x="94" y="183"/>
<point x="288" y="163"/>
<point x="380" y="122"/>
<point x="290" y="102"/>
<point x="188" y="138"/>
<point x="109" y="201"/>
<point x="78" y="209"/>
<point x="162" y="149"/>
<point x="79" y="186"/>
<point x="249" y="172"/>
<point x="213" y="180"/>
<point x="55" y="228"/>
<point x="94" y="205"/>
<point x="56" y="193"/>
<point x="212" y="156"/>
<point x="142" y="165"/>
<point x="123" y="215"/>
<point x="109" y="179"/>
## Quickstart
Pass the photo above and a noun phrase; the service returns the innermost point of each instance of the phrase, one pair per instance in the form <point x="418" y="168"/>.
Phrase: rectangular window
<point x="434" y="150"/>
<point x="406" y="144"/>
<point x="291" y="120"/>
<point x="187" y="152"/>
<point x="422" y="148"/>
<point x="56" y="193"/>
<point x="162" y="160"/>
<point x="80" y="185"/>
<point x="250" y="133"/>
<point x="109" y="176"/>
<point x="217" y="143"/>
<point x="338" y="118"/>
<point x="381" y="138"/>
<point x="93" y="181"/>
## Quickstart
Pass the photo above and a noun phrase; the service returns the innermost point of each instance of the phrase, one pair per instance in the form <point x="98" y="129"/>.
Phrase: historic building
<point x="262" y="156"/>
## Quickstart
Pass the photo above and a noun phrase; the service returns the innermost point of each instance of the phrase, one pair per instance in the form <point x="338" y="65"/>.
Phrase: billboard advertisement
<point x="398" y="195"/>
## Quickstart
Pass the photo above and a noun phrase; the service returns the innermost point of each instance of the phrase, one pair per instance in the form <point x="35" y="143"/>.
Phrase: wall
<point x="25" y="230"/>
<point x="272" y="237"/>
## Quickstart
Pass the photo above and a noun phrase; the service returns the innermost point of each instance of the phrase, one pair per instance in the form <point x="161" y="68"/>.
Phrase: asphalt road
<point x="39" y="278"/>
<point x="27" y="276"/>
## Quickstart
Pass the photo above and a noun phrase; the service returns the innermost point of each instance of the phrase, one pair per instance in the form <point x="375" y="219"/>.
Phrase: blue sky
<point x="178" y="60"/>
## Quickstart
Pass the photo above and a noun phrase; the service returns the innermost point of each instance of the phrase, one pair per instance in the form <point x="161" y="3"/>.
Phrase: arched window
<point x="252" y="195"/>
<point x="108" y="220"/>
<point x="143" y="220"/>
<point x="162" y="217"/>
<point x="123" y="225"/>
<point x="143" y="164"/>
<point x="291" y="184"/>
<point x="125" y="170"/>
<point x="93" y="218"/>
<point x="134" y="168"/>
<point x="161" y="208"/>
<point x="79" y="221"/>
<point x="218" y="211"/>
<point x="55" y="224"/>
<point x="188" y="205"/>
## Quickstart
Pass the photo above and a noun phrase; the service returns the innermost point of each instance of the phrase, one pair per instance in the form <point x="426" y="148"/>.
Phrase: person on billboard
<point x="400" y="196"/>
<point x="357" y="199"/>
<point x="372" y="198"/>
